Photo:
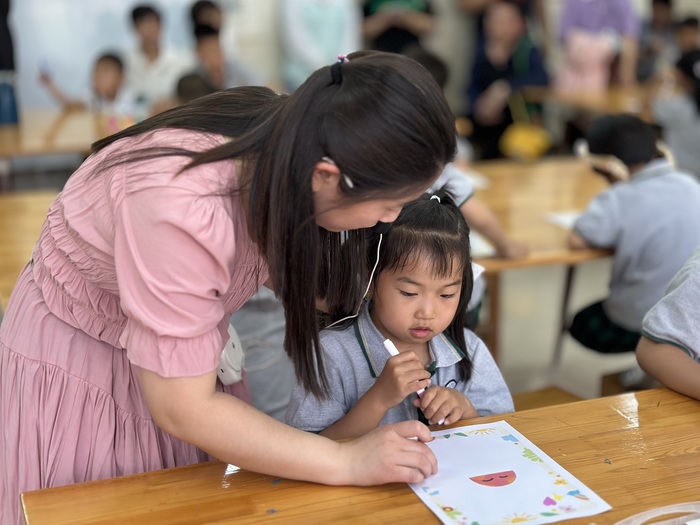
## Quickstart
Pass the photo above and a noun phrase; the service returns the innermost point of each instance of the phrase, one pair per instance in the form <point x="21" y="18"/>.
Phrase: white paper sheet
<point x="563" y="219"/>
<point x="490" y="474"/>
<point x="480" y="247"/>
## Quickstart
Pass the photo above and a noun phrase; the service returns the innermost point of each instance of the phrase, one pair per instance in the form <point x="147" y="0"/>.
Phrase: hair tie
<point x="437" y="198"/>
<point x="336" y="74"/>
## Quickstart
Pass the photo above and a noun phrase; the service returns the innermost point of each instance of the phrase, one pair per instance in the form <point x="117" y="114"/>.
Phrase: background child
<point x="687" y="34"/>
<point x="670" y="346"/>
<point x="152" y="69"/>
<point x="108" y="93"/>
<point x="650" y="217"/>
<point x="423" y="284"/>
<point x="219" y="70"/>
<point x="677" y="111"/>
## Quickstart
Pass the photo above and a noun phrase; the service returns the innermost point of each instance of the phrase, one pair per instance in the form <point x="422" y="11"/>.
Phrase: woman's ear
<point x="326" y="176"/>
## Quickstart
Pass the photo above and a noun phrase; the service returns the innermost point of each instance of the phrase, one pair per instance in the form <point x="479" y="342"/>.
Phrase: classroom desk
<point x="47" y="132"/>
<point x="21" y="217"/>
<point x="637" y="451"/>
<point x="521" y="195"/>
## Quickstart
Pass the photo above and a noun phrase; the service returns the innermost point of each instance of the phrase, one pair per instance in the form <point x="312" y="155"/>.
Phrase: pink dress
<point x="136" y="266"/>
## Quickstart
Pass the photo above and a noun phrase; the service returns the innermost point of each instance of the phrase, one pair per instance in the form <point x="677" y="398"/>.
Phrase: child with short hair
<point x="669" y="349"/>
<point x="108" y="92"/>
<point x="423" y="283"/>
<point x="219" y="71"/>
<point x="651" y="218"/>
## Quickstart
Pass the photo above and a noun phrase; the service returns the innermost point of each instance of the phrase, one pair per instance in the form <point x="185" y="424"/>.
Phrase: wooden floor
<point x="542" y="398"/>
<point x="21" y="217"/>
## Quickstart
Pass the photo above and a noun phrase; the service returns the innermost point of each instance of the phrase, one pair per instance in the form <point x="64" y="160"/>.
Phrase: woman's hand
<point x="446" y="405"/>
<point x="389" y="455"/>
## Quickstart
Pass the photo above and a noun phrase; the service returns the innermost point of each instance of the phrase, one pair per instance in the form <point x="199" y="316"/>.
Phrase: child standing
<point x="670" y="346"/>
<point x="424" y="282"/>
<point x="650" y="217"/>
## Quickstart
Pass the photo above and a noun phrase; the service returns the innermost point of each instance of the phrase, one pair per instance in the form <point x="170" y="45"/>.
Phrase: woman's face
<point x="343" y="214"/>
<point x="336" y="212"/>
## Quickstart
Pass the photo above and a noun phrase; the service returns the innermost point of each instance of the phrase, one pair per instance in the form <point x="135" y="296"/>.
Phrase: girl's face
<point x="412" y="305"/>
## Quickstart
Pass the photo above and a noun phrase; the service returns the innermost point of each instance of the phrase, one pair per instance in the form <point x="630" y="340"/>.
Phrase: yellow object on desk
<point x="637" y="451"/>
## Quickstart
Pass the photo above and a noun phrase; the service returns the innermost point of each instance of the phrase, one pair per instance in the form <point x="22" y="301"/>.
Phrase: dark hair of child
<point x="431" y="230"/>
<point x="626" y="137"/>
<point x="111" y="58"/>
<point x="192" y="86"/>
<point x="691" y="22"/>
<point x="689" y="65"/>
<point x="204" y="31"/>
<point x="199" y="7"/>
<point x="140" y="12"/>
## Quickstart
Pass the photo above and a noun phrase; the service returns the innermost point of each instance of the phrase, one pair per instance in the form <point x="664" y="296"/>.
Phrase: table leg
<point x="489" y="333"/>
<point x="564" y="316"/>
<point x="5" y="175"/>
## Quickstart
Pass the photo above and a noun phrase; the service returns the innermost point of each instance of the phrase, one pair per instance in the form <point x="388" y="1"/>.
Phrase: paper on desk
<point x="491" y="474"/>
<point x="563" y="219"/>
<point x="480" y="247"/>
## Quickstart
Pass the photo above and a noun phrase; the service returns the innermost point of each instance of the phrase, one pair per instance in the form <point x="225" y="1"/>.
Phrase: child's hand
<point x="45" y="78"/>
<point x="439" y="403"/>
<point x="403" y="375"/>
<point x="512" y="249"/>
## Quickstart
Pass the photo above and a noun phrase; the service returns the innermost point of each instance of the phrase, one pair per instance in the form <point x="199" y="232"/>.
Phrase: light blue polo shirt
<point x="355" y="356"/>
<point x="676" y="318"/>
<point x="653" y="224"/>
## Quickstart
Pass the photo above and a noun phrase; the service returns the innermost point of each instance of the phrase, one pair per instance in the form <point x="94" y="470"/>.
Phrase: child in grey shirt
<point x="650" y="217"/>
<point x="670" y="346"/>
<point x="442" y="372"/>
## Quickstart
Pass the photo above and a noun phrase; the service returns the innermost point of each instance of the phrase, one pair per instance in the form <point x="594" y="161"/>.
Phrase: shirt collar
<point x="654" y="168"/>
<point x="443" y="351"/>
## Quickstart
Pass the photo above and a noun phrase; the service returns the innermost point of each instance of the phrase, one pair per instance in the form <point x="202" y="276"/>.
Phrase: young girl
<point x="111" y="342"/>
<point x="442" y="372"/>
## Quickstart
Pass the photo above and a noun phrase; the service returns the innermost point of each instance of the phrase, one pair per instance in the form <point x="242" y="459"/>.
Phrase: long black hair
<point x="435" y="231"/>
<point x="379" y="116"/>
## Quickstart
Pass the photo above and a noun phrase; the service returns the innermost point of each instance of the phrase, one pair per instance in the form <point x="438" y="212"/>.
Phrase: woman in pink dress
<point x="110" y="345"/>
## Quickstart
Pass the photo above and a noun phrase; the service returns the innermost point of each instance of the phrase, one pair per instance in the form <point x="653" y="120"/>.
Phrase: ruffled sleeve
<point x="174" y="249"/>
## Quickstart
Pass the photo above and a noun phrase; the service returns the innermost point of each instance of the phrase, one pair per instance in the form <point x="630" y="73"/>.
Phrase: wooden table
<point x="637" y="451"/>
<point x="47" y="132"/>
<point x="521" y="195"/>
<point x="21" y="217"/>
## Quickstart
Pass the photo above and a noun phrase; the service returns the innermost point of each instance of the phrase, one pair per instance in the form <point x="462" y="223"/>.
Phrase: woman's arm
<point x="670" y="365"/>
<point x="192" y="410"/>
